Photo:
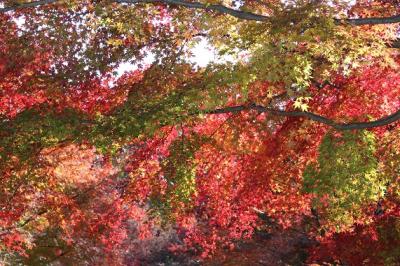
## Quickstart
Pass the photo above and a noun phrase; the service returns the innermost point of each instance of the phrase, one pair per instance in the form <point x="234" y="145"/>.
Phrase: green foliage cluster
<point x="31" y="131"/>
<point x="346" y="178"/>
<point x="179" y="171"/>
<point x="298" y="44"/>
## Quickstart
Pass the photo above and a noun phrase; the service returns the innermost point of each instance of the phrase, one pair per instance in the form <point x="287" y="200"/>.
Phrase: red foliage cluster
<point x="211" y="177"/>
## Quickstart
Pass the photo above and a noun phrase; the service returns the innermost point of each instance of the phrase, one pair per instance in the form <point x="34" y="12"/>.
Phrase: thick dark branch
<point x="27" y="5"/>
<point x="373" y="21"/>
<point x="339" y="126"/>
<point x="197" y="5"/>
<point x="257" y="17"/>
<point x="221" y="9"/>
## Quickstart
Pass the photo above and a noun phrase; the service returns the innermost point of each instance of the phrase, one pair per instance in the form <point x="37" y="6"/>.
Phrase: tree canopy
<point x="296" y="120"/>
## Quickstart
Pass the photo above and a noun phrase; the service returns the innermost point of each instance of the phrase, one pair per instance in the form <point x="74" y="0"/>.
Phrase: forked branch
<point x="217" y="8"/>
<point x="321" y="119"/>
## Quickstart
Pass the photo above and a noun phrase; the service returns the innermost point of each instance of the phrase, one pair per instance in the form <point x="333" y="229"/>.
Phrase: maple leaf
<point x="95" y="167"/>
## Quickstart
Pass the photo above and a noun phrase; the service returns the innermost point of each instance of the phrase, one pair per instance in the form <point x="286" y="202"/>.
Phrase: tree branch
<point x="338" y="126"/>
<point x="221" y="9"/>
<point x="197" y="5"/>
<point x="373" y="21"/>
<point x="257" y="17"/>
<point x="27" y="5"/>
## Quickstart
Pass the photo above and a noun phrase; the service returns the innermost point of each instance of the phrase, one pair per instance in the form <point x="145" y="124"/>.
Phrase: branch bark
<point x="27" y="5"/>
<point x="219" y="8"/>
<point x="197" y="5"/>
<point x="321" y="119"/>
<point x="257" y="17"/>
<point x="373" y="21"/>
